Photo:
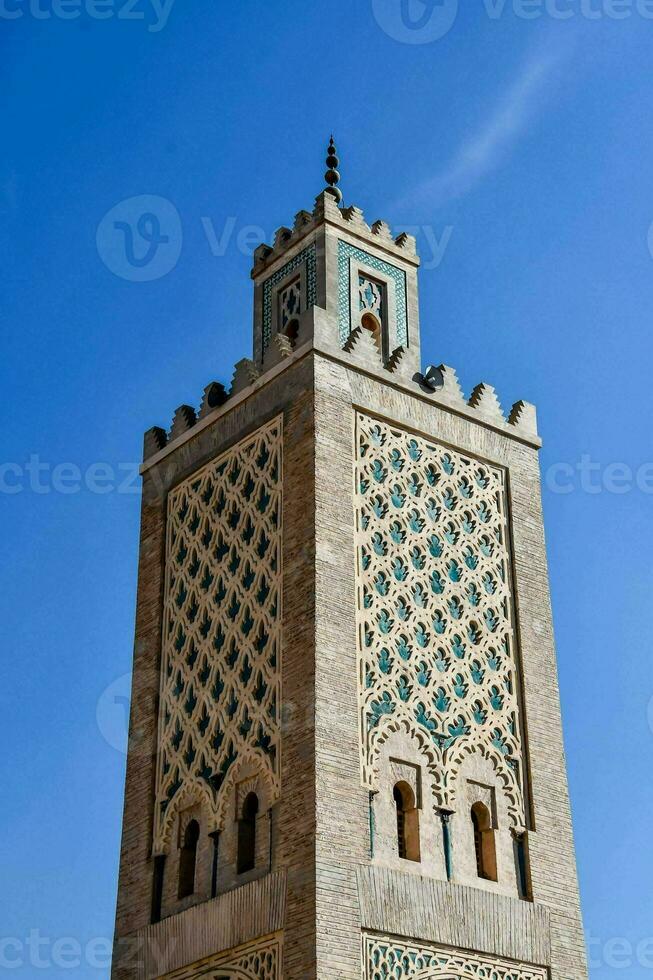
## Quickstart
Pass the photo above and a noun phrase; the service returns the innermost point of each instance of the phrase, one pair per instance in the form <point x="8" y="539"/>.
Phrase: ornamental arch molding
<point x="506" y="778"/>
<point x="192" y="794"/>
<point x="432" y="757"/>
<point x="260" y="960"/>
<point x="445" y="974"/>
<point x="387" y="958"/>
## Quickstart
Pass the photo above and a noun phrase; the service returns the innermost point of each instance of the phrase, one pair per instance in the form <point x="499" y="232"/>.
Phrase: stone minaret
<point x="345" y="756"/>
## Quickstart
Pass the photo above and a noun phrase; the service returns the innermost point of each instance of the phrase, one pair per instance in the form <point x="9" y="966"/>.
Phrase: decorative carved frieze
<point x="256" y="961"/>
<point x="396" y="959"/>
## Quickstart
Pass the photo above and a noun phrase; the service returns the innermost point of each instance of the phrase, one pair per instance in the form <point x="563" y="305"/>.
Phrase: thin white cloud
<point x="483" y="151"/>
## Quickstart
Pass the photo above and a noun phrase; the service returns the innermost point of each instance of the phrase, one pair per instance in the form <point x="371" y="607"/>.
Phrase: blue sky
<point x="521" y="147"/>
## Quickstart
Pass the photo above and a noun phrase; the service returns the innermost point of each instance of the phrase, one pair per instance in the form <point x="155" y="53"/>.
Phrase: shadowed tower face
<point x="345" y="752"/>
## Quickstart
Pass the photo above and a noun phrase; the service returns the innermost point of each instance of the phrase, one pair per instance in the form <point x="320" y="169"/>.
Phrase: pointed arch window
<point x="408" y="845"/>
<point x="188" y="860"/>
<point x="484" y="843"/>
<point x="247" y="834"/>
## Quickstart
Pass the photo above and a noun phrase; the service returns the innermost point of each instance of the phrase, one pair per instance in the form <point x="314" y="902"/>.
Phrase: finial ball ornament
<point x="332" y="176"/>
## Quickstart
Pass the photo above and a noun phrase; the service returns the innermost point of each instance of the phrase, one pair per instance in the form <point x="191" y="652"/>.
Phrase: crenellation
<point x="381" y="230"/>
<point x="183" y="420"/>
<point x="282" y="237"/>
<point x="284" y="345"/>
<point x="523" y="416"/>
<point x="350" y="218"/>
<point x="395" y="358"/>
<point x="302" y="220"/>
<point x="154" y="440"/>
<point x="262" y="253"/>
<point x="245" y="374"/>
<point x="214" y="396"/>
<point x="326" y="207"/>
<point x="406" y="242"/>
<point x="354" y="216"/>
<point x="451" y="391"/>
<point x="484" y="399"/>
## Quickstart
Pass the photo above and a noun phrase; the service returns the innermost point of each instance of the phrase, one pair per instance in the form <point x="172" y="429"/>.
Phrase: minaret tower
<point x="345" y="755"/>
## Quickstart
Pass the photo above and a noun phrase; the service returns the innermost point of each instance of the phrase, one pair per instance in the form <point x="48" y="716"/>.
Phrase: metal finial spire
<point x="332" y="176"/>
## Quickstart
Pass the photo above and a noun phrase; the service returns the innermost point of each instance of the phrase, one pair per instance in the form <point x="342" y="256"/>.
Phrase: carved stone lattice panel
<point x="220" y="672"/>
<point x="290" y="303"/>
<point x="370" y="294"/>
<point x="436" y="639"/>
<point x="395" y="959"/>
<point x="256" y="961"/>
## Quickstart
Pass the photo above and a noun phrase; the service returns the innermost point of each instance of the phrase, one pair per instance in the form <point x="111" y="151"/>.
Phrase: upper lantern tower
<point x="341" y="283"/>
<point x="345" y="757"/>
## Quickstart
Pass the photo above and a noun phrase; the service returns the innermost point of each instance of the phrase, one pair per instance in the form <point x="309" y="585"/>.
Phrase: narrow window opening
<point x="188" y="860"/>
<point x="408" y="846"/>
<point x="215" y="837"/>
<point x="484" y="843"/>
<point x="247" y="835"/>
<point x="401" y="822"/>
<point x="523" y="869"/>
<point x="157" y="887"/>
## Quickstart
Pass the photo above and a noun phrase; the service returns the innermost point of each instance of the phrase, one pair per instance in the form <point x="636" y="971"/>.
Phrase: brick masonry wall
<point x="342" y="806"/>
<point x="292" y="394"/>
<point x="342" y="840"/>
<point x="322" y="832"/>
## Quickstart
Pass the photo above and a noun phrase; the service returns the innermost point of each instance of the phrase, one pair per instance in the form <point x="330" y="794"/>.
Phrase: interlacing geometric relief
<point x="397" y="277"/>
<point x="290" y="303"/>
<point x="394" y="959"/>
<point x="370" y="293"/>
<point x="256" y="961"/>
<point x="306" y="258"/>
<point x="220" y="673"/>
<point x="436" y="639"/>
